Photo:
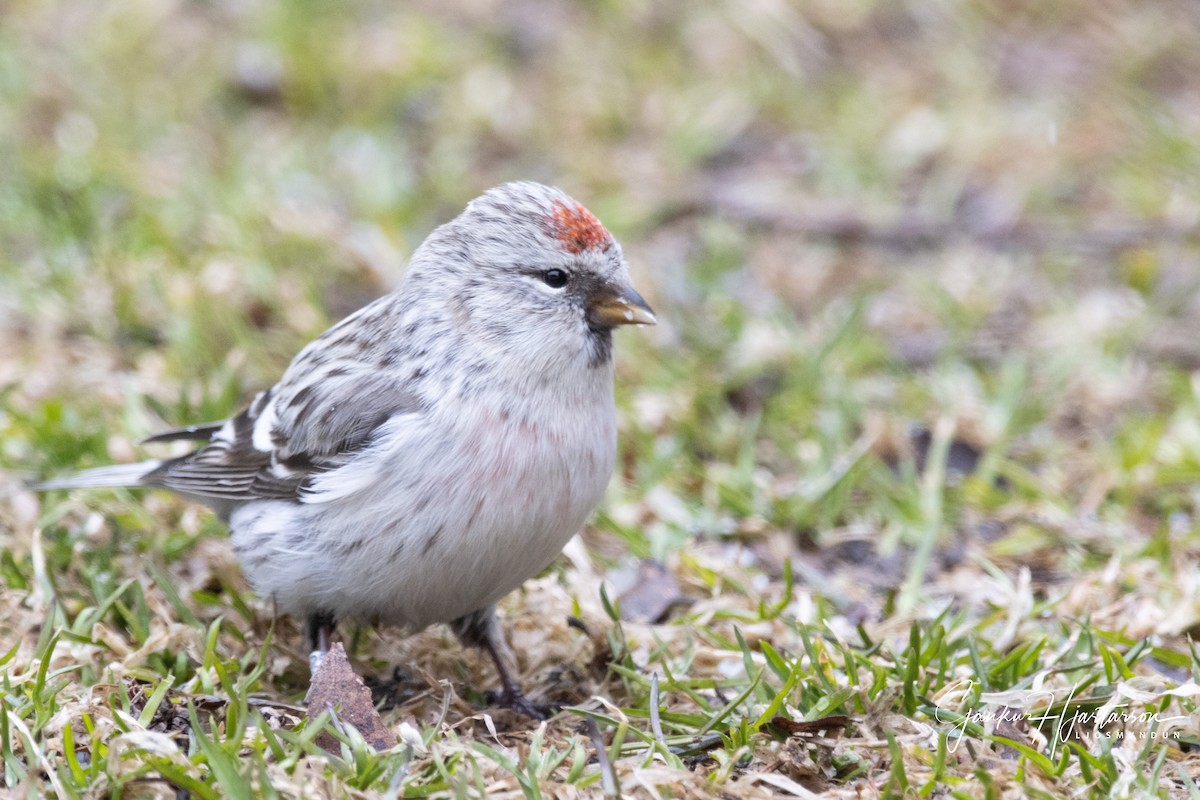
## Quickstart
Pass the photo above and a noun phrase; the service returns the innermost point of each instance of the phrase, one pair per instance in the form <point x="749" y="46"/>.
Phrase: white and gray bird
<point x="432" y="451"/>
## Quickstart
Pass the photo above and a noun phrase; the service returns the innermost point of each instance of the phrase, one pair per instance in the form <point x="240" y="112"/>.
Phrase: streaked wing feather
<point x="317" y="425"/>
<point x="202" y="432"/>
<point x="313" y="428"/>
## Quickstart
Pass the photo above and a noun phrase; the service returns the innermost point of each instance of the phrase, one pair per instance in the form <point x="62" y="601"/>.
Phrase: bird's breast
<point x="452" y="512"/>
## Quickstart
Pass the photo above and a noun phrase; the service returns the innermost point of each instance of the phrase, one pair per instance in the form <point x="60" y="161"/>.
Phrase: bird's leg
<point x="512" y="696"/>
<point x="479" y="629"/>
<point x="320" y="626"/>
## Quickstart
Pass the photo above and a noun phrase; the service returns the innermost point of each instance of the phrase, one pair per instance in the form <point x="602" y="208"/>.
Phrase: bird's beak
<point x="620" y="305"/>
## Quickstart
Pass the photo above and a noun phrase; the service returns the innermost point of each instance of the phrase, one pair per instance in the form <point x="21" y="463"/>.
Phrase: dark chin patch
<point x="599" y="346"/>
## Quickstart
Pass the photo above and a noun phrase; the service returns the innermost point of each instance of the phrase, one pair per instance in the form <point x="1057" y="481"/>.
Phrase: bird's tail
<point x="116" y="475"/>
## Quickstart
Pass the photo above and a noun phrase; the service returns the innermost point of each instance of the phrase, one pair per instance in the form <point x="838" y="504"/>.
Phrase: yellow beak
<point x="620" y="306"/>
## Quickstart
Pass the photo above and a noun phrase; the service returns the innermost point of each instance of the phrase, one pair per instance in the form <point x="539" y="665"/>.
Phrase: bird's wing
<point x="289" y="434"/>
<point x="319" y="424"/>
<point x="201" y="432"/>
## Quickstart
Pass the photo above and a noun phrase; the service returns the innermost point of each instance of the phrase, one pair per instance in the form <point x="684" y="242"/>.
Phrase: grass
<point x="916" y="443"/>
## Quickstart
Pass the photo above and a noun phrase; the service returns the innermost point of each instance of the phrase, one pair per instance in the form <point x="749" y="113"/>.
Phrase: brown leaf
<point x="1012" y="724"/>
<point x="831" y="724"/>
<point x="654" y="594"/>
<point x="337" y="689"/>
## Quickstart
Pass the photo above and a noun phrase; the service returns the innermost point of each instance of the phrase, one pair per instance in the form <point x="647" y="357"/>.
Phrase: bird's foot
<point x="516" y="700"/>
<point x="320" y="627"/>
<point x="479" y="629"/>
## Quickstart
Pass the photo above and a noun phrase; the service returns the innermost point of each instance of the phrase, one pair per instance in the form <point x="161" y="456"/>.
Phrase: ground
<point x="910" y="468"/>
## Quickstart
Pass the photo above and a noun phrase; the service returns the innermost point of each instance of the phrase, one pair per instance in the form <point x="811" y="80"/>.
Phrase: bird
<point x="431" y="452"/>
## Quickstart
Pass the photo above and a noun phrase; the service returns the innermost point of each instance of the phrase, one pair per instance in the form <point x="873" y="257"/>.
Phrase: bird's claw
<point x="518" y="702"/>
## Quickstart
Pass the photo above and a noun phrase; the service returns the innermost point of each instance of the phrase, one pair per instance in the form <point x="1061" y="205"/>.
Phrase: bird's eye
<point x="555" y="278"/>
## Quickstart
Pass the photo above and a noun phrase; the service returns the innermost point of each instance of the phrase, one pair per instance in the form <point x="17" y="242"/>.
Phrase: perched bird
<point x="432" y="451"/>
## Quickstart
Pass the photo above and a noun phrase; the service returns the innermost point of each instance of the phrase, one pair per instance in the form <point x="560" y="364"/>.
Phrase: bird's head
<point x="529" y="268"/>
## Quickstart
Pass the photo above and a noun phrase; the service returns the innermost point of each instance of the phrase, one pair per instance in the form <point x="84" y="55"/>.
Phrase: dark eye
<point x="555" y="278"/>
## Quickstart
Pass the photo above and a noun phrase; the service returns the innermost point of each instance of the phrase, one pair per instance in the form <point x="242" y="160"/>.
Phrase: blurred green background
<point x="855" y="219"/>
<point x="209" y="175"/>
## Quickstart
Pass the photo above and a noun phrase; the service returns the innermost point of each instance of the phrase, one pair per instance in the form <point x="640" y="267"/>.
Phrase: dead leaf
<point x="337" y="689"/>
<point x="831" y="725"/>
<point x="654" y="594"/>
<point x="1014" y="725"/>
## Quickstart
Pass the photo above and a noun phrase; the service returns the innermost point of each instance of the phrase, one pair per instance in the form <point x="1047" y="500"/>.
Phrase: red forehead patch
<point x="577" y="228"/>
